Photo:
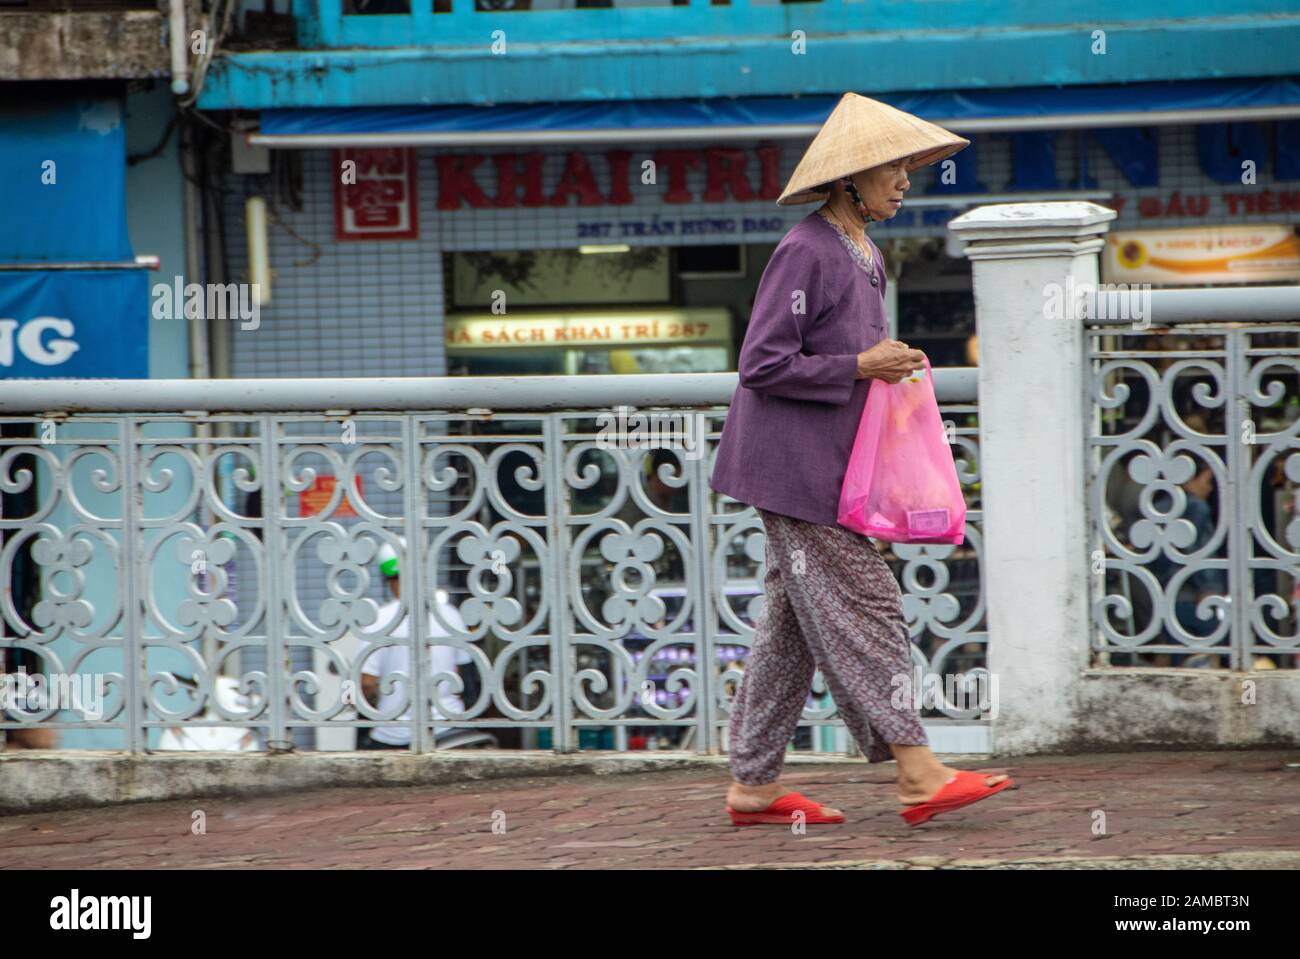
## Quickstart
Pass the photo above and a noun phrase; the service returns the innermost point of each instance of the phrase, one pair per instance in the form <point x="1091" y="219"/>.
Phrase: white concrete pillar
<point x="1032" y="403"/>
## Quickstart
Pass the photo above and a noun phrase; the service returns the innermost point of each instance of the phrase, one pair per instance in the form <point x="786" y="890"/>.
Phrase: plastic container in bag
<point x="901" y="484"/>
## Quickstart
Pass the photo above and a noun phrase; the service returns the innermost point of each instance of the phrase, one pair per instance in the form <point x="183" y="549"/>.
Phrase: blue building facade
<point x="91" y="200"/>
<point x="522" y="127"/>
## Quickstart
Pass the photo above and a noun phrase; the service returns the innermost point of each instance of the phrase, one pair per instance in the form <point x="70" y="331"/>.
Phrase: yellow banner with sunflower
<point x="1198" y="255"/>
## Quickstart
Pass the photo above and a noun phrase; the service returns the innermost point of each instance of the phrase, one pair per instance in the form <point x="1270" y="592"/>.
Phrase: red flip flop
<point x="961" y="790"/>
<point x="782" y="811"/>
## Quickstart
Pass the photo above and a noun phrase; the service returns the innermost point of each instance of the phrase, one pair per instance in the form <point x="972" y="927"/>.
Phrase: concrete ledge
<point x="74" y="45"/>
<point x="35" y="780"/>
<point x="1127" y="708"/>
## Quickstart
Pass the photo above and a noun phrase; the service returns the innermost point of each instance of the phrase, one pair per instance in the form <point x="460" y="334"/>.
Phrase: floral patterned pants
<point x="831" y="603"/>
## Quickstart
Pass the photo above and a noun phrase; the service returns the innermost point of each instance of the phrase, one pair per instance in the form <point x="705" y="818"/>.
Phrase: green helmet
<point x="388" y="558"/>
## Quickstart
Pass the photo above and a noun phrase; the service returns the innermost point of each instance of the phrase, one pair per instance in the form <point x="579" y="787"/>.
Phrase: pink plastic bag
<point x="901" y="484"/>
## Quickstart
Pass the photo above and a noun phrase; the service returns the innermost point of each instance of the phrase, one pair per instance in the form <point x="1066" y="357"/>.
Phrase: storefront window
<point x="681" y="359"/>
<point x="612" y="340"/>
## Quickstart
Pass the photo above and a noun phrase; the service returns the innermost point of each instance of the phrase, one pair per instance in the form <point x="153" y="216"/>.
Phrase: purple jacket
<point x="786" y="441"/>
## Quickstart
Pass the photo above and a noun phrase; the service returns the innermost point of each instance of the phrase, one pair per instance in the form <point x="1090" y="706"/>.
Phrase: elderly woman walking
<point x="816" y="339"/>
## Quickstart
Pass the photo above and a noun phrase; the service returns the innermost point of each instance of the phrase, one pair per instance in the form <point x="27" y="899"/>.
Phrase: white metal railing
<point x="209" y="549"/>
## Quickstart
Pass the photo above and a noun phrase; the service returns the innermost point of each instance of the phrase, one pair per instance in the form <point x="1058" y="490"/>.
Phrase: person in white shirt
<point x="394" y="659"/>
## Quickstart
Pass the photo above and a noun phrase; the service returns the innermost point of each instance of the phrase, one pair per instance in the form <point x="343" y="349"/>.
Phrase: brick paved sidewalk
<point x="1222" y="808"/>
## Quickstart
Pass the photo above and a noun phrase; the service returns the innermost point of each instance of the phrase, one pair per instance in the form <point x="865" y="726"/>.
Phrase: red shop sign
<point x="730" y="174"/>
<point x="382" y="203"/>
<point x="313" y="500"/>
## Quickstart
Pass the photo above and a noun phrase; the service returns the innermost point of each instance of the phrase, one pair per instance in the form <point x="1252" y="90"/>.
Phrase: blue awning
<point x="795" y="116"/>
<point x="74" y="300"/>
<point x="63" y="181"/>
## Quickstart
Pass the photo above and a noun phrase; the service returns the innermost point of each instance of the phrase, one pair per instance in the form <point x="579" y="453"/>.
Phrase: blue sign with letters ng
<point x="74" y="323"/>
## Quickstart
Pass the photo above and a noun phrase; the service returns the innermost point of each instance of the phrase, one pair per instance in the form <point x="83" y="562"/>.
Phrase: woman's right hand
<point x="890" y="360"/>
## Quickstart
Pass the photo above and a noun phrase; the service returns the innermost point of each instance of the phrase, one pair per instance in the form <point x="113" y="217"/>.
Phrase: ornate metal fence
<point x="1195" y="445"/>
<point x="580" y="585"/>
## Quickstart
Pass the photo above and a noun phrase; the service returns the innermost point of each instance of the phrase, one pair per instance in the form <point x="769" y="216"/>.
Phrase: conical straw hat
<point x="862" y="133"/>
